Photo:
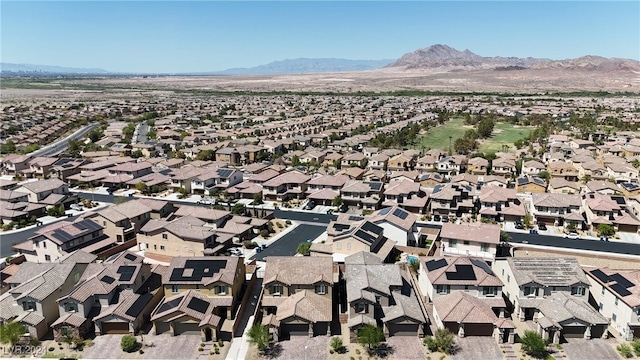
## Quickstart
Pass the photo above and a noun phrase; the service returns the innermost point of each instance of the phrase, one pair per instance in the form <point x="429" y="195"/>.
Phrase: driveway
<point x="164" y="346"/>
<point x="468" y="348"/>
<point x="406" y="347"/>
<point x="580" y="349"/>
<point x="303" y="347"/>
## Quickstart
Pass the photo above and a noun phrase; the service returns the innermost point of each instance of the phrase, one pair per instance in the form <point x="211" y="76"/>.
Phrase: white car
<point x="572" y="235"/>
<point x="236" y="251"/>
<point x="76" y="207"/>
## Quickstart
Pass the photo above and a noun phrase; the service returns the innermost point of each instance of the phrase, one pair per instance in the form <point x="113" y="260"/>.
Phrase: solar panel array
<point x="374" y="185"/>
<point x="355" y="218"/>
<point x="400" y="213"/>
<point x="126" y="272"/>
<point x="621" y="290"/>
<point x="436" y="264"/>
<point x="385" y="211"/>
<point x="170" y="304"/>
<point x="107" y="279"/>
<point x="483" y="265"/>
<point x="341" y="227"/>
<point x="139" y="304"/>
<point x="437" y="188"/>
<point x="198" y="305"/>
<point x="600" y="275"/>
<point x="201" y="269"/>
<point x="371" y="227"/>
<point x="365" y="236"/>
<point x="621" y="286"/>
<point x="224" y="172"/>
<point x="130" y="257"/>
<point x="463" y="272"/>
<point x="86" y="226"/>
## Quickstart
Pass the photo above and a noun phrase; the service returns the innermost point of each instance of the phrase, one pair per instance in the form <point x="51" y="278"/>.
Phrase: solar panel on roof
<point x="130" y="257"/>
<point x="198" y="305"/>
<point x="139" y="304"/>
<point x="365" y="236"/>
<point x="170" y="304"/>
<point x="371" y="227"/>
<point x="621" y="280"/>
<point x="483" y="265"/>
<point x="201" y="268"/>
<point x="436" y="264"/>
<point x="522" y="181"/>
<point x="341" y="227"/>
<point x="437" y="188"/>
<point x="463" y="272"/>
<point x="108" y="279"/>
<point x="385" y="211"/>
<point x="600" y="275"/>
<point x="355" y="218"/>
<point x="620" y="290"/>
<point x="224" y="172"/>
<point x="400" y="213"/>
<point x="126" y="272"/>
<point x="375" y="185"/>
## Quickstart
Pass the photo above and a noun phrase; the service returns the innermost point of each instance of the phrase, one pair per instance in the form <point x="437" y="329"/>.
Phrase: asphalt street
<point x="288" y="244"/>
<point x="7" y="240"/>
<point x="61" y="145"/>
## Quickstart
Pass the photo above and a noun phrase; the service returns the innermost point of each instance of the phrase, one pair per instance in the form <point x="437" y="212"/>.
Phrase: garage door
<point x="573" y="331"/>
<point x="295" y="330"/>
<point x="478" y="329"/>
<point x="187" y="329"/>
<point x="403" y="329"/>
<point x="161" y="327"/>
<point x="452" y="326"/>
<point x="597" y="331"/>
<point x="115" y="328"/>
<point x="636" y="332"/>
<point x="627" y="228"/>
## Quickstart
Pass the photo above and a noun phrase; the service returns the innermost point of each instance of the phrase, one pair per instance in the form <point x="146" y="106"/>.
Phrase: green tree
<point x="257" y="199"/>
<point x="128" y="343"/>
<point x="239" y="209"/>
<point x="606" y="230"/>
<point x="10" y="332"/>
<point x="259" y="335"/>
<point x="544" y="175"/>
<point x="370" y="336"/>
<point x="527" y="221"/>
<point x="504" y="237"/>
<point x="304" y="248"/>
<point x="337" y="201"/>
<point x="8" y="147"/>
<point x="533" y="344"/>
<point x="444" y="338"/>
<point x="142" y="187"/>
<point x="585" y="179"/>
<point x="337" y="345"/>
<point x="206" y="155"/>
<point x="74" y="147"/>
<point x="485" y="127"/>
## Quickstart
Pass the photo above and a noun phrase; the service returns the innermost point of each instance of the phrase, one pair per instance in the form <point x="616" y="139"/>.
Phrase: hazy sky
<point x="162" y="36"/>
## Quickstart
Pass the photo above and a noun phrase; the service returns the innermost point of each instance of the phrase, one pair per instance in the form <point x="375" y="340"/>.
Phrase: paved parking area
<point x="468" y="348"/>
<point x="164" y="346"/>
<point x="303" y="347"/>
<point x="581" y="349"/>
<point x="406" y="347"/>
<point x="287" y="245"/>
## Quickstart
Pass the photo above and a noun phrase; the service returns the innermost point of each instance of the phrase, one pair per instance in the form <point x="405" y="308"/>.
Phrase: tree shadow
<point x="382" y="351"/>
<point x="272" y="351"/>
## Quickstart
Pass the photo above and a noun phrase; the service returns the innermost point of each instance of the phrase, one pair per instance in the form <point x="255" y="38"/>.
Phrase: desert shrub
<point x="625" y="351"/>
<point x="51" y="349"/>
<point x="128" y="343"/>
<point x="430" y="343"/>
<point x="264" y="233"/>
<point x="635" y="344"/>
<point x="288" y="222"/>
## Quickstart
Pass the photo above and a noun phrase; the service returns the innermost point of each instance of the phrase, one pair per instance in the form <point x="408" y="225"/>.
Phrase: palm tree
<point x="11" y="332"/>
<point x="260" y="336"/>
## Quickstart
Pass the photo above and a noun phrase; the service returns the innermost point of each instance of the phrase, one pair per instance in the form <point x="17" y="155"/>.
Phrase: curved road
<point x="59" y="146"/>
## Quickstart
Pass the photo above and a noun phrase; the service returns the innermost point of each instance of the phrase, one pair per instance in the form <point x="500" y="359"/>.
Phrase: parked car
<point x="542" y="226"/>
<point x="206" y="202"/>
<point x="76" y="207"/>
<point x="343" y="208"/>
<point x="572" y="235"/>
<point x="310" y="205"/>
<point x="519" y="226"/>
<point x="436" y="217"/>
<point x="445" y="219"/>
<point x="235" y="251"/>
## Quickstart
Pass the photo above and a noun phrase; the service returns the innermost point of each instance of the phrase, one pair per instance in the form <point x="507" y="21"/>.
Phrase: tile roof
<point x="298" y="270"/>
<point x="214" y="269"/>
<point x="560" y="307"/>
<point x="461" y="307"/>
<point x="611" y="278"/>
<point x="439" y="276"/>
<point x="476" y="232"/>
<point x="547" y="271"/>
<point x="306" y="305"/>
<point x="44" y="283"/>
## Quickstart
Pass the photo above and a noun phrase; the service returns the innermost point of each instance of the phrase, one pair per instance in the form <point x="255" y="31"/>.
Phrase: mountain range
<point x="439" y="57"/>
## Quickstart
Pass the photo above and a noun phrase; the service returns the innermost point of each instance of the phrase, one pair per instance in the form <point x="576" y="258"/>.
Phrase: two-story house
<point x="378" y="162"/>
<point x="470" y="239"/>
<point x="501" y="204"/>
<point x="564" y="170"/>
<point x="12" y="164"/>
<point x="533" y="167"/>
<point x="478" y="166"/>
<point x="382" y="295"/>
<point x="355" y="159"/>
<point x="125" y="172"/>
<point x="40" y="167"/>
<point x="298" y="296"/>
<point x="362" y="194"/>
<point x="49" y="192"/>
<point x="220" y="179"/>
<point x="467" y="297"/>
<point x="401" y="162"/>
<point x="553" y="293"/>
<point x="452" y="165"/>
<point x="323" y="189"/>
<point x="200" y="295"/>
<point x="34" y="289"/>
<point x="531" y="184"/>
<point x="350" y="234"/>
<point x="504" y="167"/>
<point x="290" y="185"/>
<point x="451" y="200"/>
<point x="610" y="210"/>
<point x="622" y="172"/>
<point x="617" y="293"/>
<point x="556" y="209"/>
<point x="398" y="224"/>
<point x="122" y="221"/>
<point x="406" y="194"/>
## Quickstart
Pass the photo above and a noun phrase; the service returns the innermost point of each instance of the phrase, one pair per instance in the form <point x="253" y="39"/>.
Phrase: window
<point x="508" y="278"/>
<point x="276" y="289"/>
<point x="600" y="306"/>
<point x="198" y="287"/>
<point x="349" y="245"/>
<point x="377" y="299"/>
<point x="164" y="236"/>
<point x="338" y="245"/>
<point x="25" y="329"/>
<point x="321" y="289"/>
<point x="466" y="242"/>
<point x="362" y="307"/>
<point x="578" y="290"/>
<point x="530" y="291"/>
<point x="76" y="277"/>
<point x="44" y="244"/>
<point x="484" y="247"/>
<point x="162" y="247"/>
<point x="155" y="247"/>
<point x="221" y="290"/>
<point x="614" y="317"/>
<point x="502" y="272"/>
<point x="490" y="291"/>
<point x="443" y="289"/>
<point x="71" y="307"/>
<point x="616" y="301"/>
<point x="29" y="305"/>
<point x="47" y="258"/>
<point x="602" y="292"/>
<point x="453" y="243"/>
<point x="174" y="288"/>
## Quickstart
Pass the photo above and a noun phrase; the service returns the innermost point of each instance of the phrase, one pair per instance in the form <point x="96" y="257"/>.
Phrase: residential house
<point x="355" y="159"/>
<point x="350" y="234"/>
<point x="362" y="194"/>
<point x="215" y="180"/>
<point x="556" y="209"/>
<point x="51" y="192"/>
<point x="13" y="164"/>
<point x="406" y="194"/>
<point x="378" y="162"/>
<point x="504" y="167"/>
<point x="431" y="180"/>
<point x="470" y="239"/>
<point x="501" y="204"/>
<point x="298" y="296"/>
<point x="533" y="167"/>
<point x="531" y="184"/>
<point x="467" y="297"/>
<point x="122" y="221"/>
<point x="125" y="172"/>
<point x="451" y="200"/>
<point x="603" y="187"/>
<point x="290" y="185"/>
<point x="401" y="162"/>
<point x="382" y="295"/>
<point x="559" y="185"/>
<point x="398" y="224"/>
<point x="622" y="172"/>
<point x="200" y="296"/>
<point x="478" y="166"/>
<point x="617" y="293"/>
<point x="452" y="165"/>
<point x="65" y="167"/>
<point x="609" y="210"/>
<point x="554" y="293"/>
<point x="34" y="289"/>
<point x="39" y="167"/>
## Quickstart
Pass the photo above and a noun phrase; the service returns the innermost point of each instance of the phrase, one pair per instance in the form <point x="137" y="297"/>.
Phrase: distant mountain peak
<point x="46" y="69"/>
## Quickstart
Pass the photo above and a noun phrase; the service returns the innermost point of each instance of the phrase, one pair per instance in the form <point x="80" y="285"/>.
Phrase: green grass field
<point x="504" y="134"/>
